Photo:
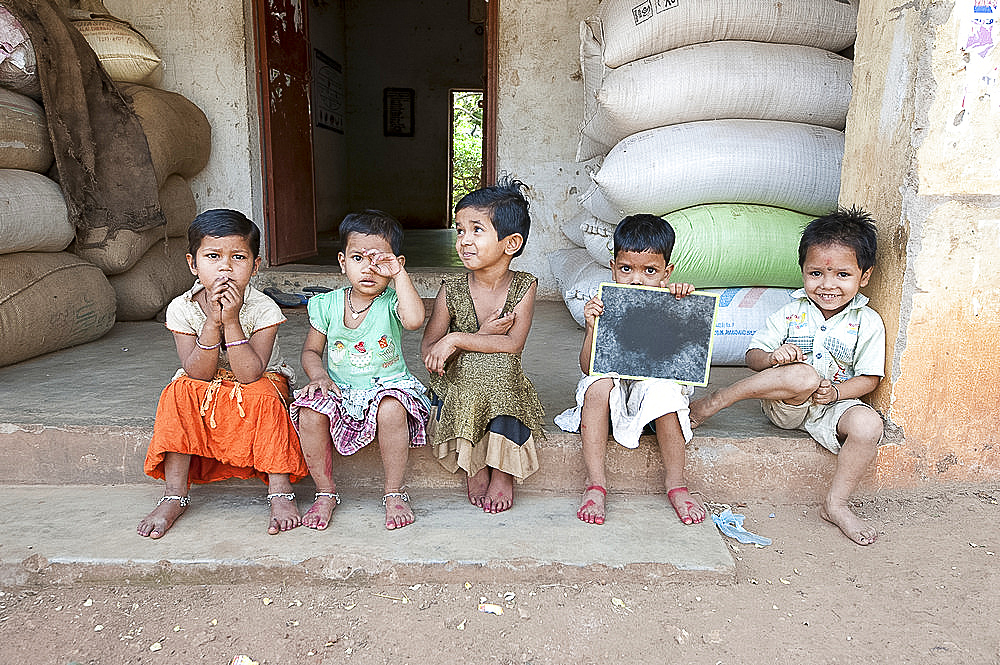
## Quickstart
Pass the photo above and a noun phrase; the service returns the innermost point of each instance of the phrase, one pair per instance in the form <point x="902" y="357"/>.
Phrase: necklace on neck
<point x="355" y="313"/>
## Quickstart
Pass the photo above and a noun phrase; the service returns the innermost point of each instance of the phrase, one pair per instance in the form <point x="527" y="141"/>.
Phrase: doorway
<point x="379" y="117"/>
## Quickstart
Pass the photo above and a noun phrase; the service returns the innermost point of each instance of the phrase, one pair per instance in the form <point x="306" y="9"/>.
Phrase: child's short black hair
<point x="219" y="223"/>
<point x="850" y="227"/>
<point x="372" y="223"/>
<point x="644" y="233"/>
<point x="506" y="205"/>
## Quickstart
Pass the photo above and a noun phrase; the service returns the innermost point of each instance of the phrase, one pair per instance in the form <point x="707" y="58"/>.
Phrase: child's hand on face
<point x="786" y="354"/>
<point x="229" y="298"/>
<point x="496" y="324"/>
<point x="593" y="309"/>
<point x="438" y="355"/>
<point x="384" y="263"/>
<point x="324" y="385"/>
<point x="679" y="289"/>
<point x="825" y="394"/>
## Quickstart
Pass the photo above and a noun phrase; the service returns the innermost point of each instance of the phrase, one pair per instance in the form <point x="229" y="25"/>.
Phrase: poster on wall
<point x="328" y="92"/>
<point x="397" y="111"/>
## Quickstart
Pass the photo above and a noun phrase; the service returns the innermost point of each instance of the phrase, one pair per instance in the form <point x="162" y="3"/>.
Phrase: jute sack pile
<point x="147" y="287"/>
<point x="18" y="67"/>
<point x="33" y="216"/>
<point x="628" y="30"/>
<point x="50" y="301"/>
<point x="124" y="53"/>
<point x="24" y="134"/>
<point x="178" y="133"/>
<point x="115" y="252"/>
<point x="715" y="80"/>
<point x="783" y="164"/>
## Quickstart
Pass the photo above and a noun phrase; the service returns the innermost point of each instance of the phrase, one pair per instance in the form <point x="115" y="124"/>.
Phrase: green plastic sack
<point x="728" y="244"/>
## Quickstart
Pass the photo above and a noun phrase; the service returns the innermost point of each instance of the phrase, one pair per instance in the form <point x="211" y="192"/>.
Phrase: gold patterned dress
<point x="485" y="411"/>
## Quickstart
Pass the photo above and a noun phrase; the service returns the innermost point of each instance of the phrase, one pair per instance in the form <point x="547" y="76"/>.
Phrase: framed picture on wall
<point x="397" y="111"/>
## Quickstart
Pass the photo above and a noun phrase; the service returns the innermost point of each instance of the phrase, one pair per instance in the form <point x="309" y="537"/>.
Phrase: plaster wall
<point x="205" y="49"/>
<point x="922" y="156"/>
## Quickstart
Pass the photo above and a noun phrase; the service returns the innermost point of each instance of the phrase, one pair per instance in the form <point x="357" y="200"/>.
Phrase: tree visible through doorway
<point x="466" y="143"/>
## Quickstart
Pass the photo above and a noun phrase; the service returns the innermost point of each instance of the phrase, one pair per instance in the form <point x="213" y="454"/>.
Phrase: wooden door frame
<point x="492" y="90"/>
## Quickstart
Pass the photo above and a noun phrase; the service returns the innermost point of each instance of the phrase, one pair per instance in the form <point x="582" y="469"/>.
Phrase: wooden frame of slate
<point x="647" y="333"/>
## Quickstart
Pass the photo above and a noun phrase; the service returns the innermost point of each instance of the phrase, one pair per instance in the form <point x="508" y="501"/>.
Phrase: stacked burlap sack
<point x="726" y="118"/>
<point x="63" y="284"/>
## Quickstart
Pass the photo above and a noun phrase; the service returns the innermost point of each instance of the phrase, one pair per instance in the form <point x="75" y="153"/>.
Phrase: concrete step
<point x="86" y="534"/>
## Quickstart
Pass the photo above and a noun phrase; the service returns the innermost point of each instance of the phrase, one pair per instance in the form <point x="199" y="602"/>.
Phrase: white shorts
<point x="633" y="404"/>
<point x="820" y="420"/>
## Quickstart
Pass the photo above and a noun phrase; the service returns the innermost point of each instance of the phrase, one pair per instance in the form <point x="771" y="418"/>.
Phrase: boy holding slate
<point x="817" y="355"/>
<point x="642" y="247"/>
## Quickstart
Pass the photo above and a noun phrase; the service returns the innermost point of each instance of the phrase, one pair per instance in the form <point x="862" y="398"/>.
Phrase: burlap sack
<point x="18" y="67"/>
<point x="783" y="164"/>
<point x="33" y="216"/>
<point x="24" y="134"/>
<point x="124" y="53"/>
<point x="159" y="276"/>
<point x="115" y="252"/>
<point x="578" y="277"/>
<point x="177" y="131"/>
<point x="632" y="29"/>
<point x="714" y="81"/>
<point x="572" y="228"/>
<point x="50" y="301"/>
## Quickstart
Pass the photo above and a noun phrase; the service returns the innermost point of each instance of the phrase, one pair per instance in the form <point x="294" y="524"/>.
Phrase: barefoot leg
<point x="162" y="517"/>
<point x="476" y="486"/>
<point x="317" y="448"/>
<point x="594" y="437"/>
<point x="793" y="383"/>
<point x="284" y="512"/>
<point x="863" y="427"/>
<point x="670" y="438"/>
<point x="394" y="446"/>
<point x="500" y="495"/>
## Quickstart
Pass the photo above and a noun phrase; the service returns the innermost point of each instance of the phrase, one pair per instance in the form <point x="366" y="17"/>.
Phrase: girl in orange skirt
<point x="224" y="414"/>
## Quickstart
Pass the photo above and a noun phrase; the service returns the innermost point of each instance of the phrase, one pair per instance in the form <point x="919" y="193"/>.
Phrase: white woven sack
<point x="742" y="312"/>
<point x="50" y="301"/>
<point x="578" y="278"/>
<point x="782" y="164"/>
<point x="33" y="215"/>
<point x="597" y="204"/>
<point x="124" y="53"/>
<point x="147" y="287"/>
<point x="18" y="67"/>
<point x="717" y="80"/>
<point x="633" y="29"/>
<point x="598" y="238"/>
<point x="24" y="134"/>
<point x="572" y="228"/>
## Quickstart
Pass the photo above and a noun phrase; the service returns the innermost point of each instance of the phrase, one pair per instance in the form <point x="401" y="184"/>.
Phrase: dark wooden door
<point x="283" y="76"/>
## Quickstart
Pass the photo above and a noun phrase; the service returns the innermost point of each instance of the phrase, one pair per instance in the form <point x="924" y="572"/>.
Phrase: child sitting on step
<point x="487" y="411"/>
<point x="364" y="390"/>
<point x="224" y="414"/>
<point x="817" y="355"/>
<point x="642" y="248"/>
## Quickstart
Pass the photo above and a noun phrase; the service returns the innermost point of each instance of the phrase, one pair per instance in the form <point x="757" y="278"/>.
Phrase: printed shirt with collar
<point x="849" y="344"/>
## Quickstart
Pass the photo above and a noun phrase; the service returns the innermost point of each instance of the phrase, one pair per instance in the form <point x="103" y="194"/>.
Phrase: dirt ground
<point x="927" y="592"/>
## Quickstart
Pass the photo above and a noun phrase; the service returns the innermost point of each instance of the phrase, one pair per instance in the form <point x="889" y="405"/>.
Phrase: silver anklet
<point x="183" y="500"/>
<point x="280" y="495"/>
<point x="328" y="495"/>
<point x="402" y="495"/>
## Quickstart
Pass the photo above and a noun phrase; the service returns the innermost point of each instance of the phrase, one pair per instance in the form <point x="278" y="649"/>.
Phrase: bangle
<point x="197" y="341"/>
<point x="237" y="342"/>
<point x="838" y="394"/>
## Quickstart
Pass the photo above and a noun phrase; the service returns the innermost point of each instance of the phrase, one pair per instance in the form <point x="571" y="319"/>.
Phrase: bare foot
<point x="688" y="510"/>
<point x="700" y="410"/>
<point x="319" y="514"/>
<point x="853" y="526"/>
<point x="591" y="508"/>
<point x="158" y="522"/>
<point x="284" y="513"/>
<point x="397" y="510"/>
<point x="500" y="495"/>
<point x="476" y="485"/>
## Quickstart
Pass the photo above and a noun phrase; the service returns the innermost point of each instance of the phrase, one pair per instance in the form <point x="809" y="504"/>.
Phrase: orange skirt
<point x="230" y="429"/>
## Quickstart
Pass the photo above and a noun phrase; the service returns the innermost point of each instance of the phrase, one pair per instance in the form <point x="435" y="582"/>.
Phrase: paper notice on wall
<point x="977" y="40"/>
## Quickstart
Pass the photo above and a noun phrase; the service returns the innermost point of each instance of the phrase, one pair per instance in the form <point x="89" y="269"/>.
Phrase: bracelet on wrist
<point x="838" y="393"/>
<point x="197" y="341"/>
<point x="237" y="342"/>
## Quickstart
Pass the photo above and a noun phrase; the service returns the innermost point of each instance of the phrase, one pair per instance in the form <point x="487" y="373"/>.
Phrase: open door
<point x="283" y="76"/>
<point x="492" y="69"/>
